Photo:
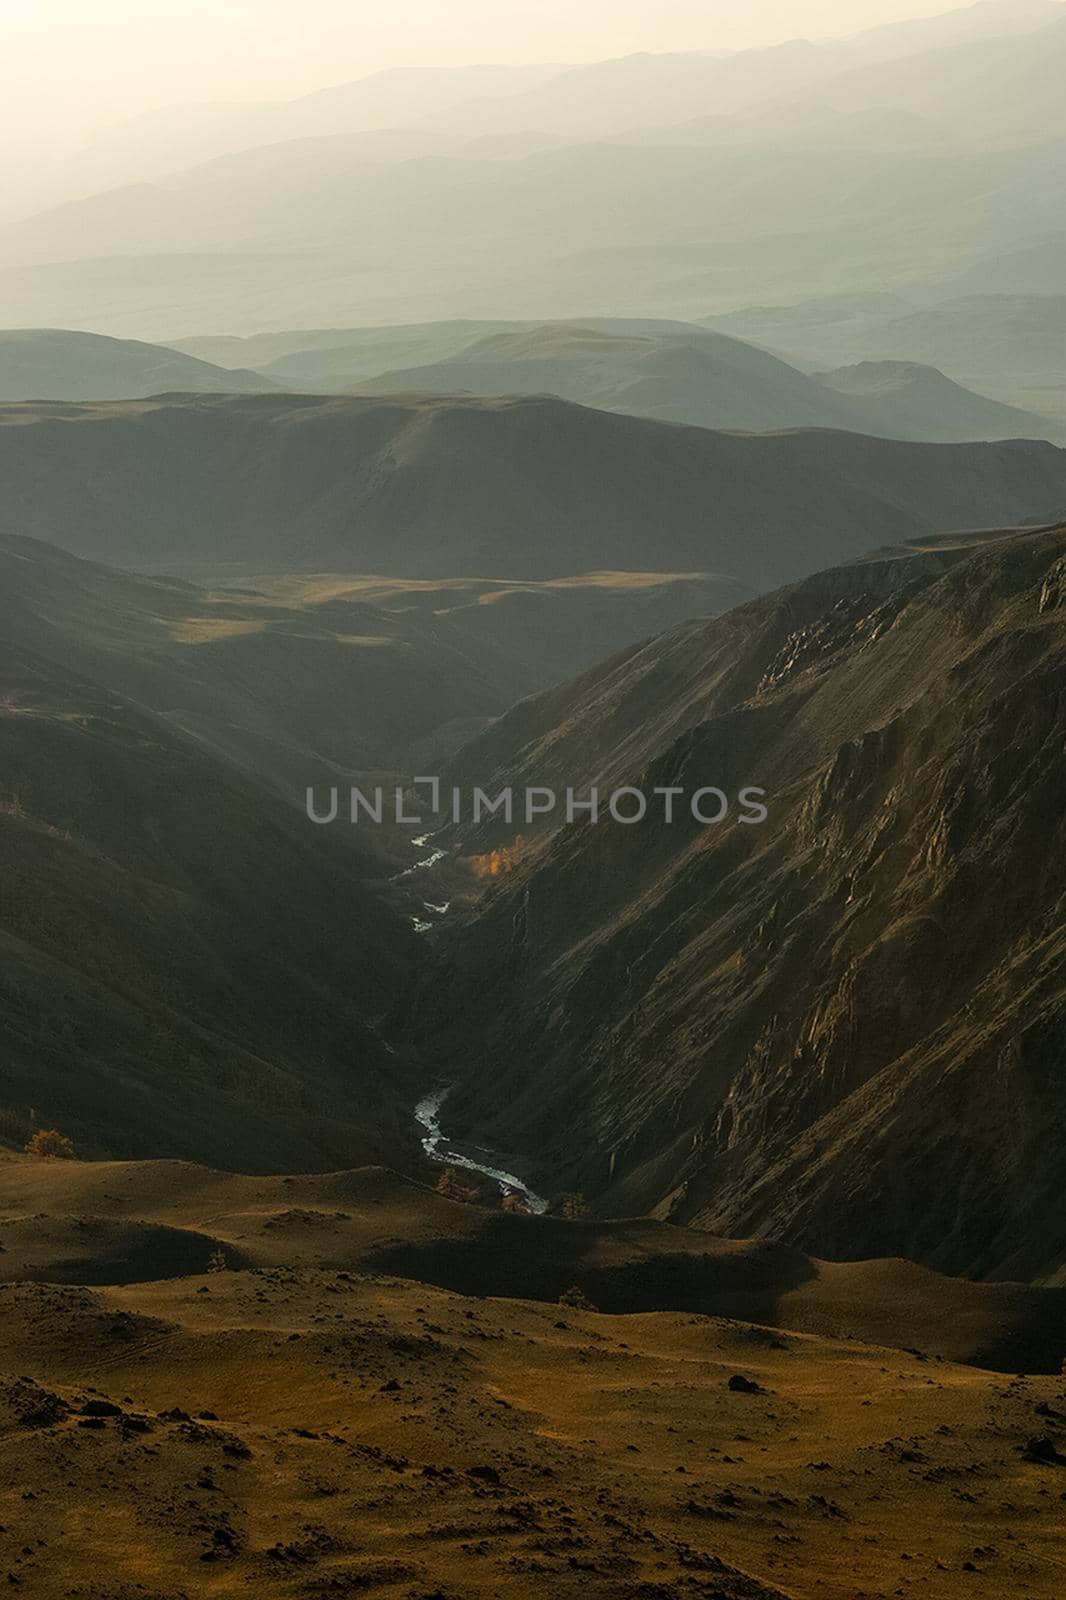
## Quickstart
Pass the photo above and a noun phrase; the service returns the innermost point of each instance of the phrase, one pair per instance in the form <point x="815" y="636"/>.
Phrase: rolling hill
<point x="530" y="488"/>
<point x="58" y="364"/>
<point x="840" y="1028"/>
<point x="713" y="382"/>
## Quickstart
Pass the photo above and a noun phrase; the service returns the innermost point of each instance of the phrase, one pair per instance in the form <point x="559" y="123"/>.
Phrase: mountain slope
<point x="520" y="489"/>
<point x="187" y="964"/>
<point x="843" y="1028"/>
<point x="58" y="364"/>
<point x="308" y="680"/>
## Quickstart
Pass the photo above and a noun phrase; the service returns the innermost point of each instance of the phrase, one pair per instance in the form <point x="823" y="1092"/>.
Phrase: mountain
<point x="188" y="966"/>
<point x="377" y="110"/>
<point x="711" y="381"/>
<point x="58" y="364"/>
<point x="1005" y="345"/>
<point x="328" y="363"/>
<point x="430" y="106"/>
<point x="894" y="62"/>
<point x="530" y="488"/>
<point x="906" y="400"/>
<point x="321" y="235"/>
<point x="841" y="1028"/>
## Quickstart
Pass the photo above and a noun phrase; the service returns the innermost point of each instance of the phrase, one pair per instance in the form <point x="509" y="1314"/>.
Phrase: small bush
<point x="49" y="1142"/>
<point x="576" y="1299"/>
<point x="571" y="1206"/>
<point x="216" y="1261"/>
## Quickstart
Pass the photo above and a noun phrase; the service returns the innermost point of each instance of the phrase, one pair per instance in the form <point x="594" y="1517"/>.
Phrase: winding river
<point x="473" y="1158"/>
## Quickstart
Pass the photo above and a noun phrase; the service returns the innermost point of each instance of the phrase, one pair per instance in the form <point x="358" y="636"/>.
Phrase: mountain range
<point x="672" y="371"/>
<point x="912" y="160"/>
<point x="713" y="382"/>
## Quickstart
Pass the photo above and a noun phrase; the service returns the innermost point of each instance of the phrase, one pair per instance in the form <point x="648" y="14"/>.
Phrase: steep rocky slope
<point x="845" y="1027"/>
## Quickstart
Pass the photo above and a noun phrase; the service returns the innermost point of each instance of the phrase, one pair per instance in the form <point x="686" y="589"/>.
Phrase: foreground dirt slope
<point x="296" y="1432"/>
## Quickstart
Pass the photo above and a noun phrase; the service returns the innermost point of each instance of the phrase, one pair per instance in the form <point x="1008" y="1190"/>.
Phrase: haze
<point x="72" y="68"/>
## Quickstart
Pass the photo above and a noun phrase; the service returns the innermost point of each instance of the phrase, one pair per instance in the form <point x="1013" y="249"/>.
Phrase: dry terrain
<point x="292" y="1426"/>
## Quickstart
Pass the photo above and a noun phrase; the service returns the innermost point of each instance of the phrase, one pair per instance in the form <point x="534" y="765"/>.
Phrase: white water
<point x="437" y="1147"/>
<point x="427" y="861"/>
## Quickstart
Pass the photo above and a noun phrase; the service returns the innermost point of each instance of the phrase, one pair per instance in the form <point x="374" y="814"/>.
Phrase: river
<point x="472" y="1157"/>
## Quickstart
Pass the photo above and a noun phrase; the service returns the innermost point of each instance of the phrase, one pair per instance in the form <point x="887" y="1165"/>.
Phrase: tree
<point x="50" y="1143"/>
<point x="452" y="1187"/>
<point x="576" y="1299"/>
<point x="216" y="1261"/>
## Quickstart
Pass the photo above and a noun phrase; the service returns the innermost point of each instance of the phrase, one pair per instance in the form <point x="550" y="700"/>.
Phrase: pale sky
<point x="68" y="67"/>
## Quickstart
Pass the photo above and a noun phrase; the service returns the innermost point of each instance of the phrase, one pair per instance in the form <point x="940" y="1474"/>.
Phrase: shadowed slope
<point x="527" y="488"/>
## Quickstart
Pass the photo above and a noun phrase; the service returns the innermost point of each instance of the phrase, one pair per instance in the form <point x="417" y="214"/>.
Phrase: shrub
<point x="576" y="1299"/>
<point x="51" y="1143"/>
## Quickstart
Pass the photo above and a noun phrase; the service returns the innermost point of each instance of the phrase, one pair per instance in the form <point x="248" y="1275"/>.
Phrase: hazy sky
<point x="69" y="66"/>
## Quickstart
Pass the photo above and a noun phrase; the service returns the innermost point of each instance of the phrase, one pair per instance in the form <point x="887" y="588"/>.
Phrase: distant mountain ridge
<point x="711" y="381"/>
<point x="63" y="364"/>
<point x="920" y="158"/>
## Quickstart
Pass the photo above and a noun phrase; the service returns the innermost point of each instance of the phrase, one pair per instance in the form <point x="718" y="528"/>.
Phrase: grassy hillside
<point x="533" y="488"/>
<point x="840" y="1028"/>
